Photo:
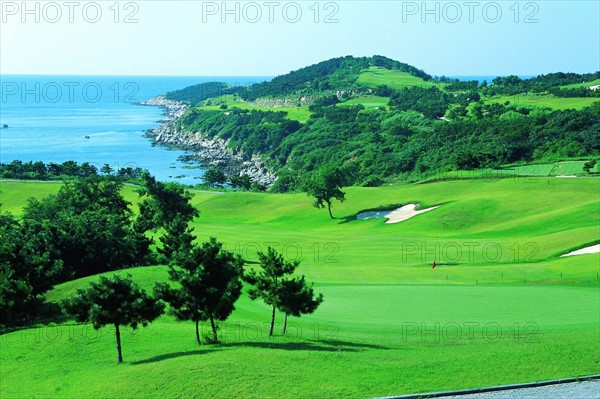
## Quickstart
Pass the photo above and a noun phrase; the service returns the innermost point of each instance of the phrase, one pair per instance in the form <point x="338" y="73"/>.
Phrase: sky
<point x="268" y="38"/>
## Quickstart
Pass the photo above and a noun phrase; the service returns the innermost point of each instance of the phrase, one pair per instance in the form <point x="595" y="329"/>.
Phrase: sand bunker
<point x="397" y="215"/>
<point x="583" y="251"/>
<point x="406" y="212"/>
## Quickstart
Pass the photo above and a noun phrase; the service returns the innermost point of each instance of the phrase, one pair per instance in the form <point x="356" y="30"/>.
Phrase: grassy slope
<point x="368" y="101"/>
<point x="301" y="114"/>
<point x="14" y="194"/>
<point x="524" y="173"/>
<point x="377" y="76"/>
<point x="545" y="100"/>
<point x="585" y="84"/>
<point x="367" y="339"/>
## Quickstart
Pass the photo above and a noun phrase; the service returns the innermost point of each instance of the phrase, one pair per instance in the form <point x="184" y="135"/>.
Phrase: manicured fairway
<point x="500" y="307"/>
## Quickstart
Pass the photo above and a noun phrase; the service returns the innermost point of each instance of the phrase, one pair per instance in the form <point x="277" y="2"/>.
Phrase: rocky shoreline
<point x="207" y="152"/>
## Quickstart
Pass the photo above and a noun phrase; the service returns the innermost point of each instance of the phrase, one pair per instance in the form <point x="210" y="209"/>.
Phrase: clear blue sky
<point x="271" y="38"/>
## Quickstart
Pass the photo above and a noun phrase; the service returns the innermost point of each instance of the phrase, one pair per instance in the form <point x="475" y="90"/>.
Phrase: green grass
<point x="14" y="194"/>
<point x="377" y="76"/>
<point x="584" y="84"/>
<point x="389" y="324"/>
<point x="531" y="172"/>
<point x="368" y="101"/>
<point x="301" y="114"/>
<point x="545" y="100"/>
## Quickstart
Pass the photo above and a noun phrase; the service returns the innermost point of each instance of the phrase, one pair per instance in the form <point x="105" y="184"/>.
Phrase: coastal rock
<point x="284" y="102"/>
<point x="207" y="151"/>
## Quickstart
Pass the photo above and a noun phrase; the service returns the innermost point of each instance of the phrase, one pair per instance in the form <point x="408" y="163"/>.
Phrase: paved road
<point x="575" y="390"/>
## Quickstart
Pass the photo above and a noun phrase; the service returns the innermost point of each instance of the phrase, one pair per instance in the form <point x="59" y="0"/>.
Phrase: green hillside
<point x="394" y="79"/>
<point x="384" y="121"/>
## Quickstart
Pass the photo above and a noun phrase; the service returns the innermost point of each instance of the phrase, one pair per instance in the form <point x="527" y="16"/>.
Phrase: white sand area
<point x="593" y="249"/>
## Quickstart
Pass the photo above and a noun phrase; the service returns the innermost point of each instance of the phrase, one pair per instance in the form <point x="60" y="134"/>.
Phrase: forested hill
<point x="336" y="74"/>
<point x="384" y="121"/>
<point x="348" y="73"/>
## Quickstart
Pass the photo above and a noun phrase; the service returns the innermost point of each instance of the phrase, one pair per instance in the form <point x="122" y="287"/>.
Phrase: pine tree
<point x="115" y="300"/>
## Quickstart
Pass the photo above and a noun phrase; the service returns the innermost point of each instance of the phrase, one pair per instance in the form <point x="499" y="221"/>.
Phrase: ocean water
<point x="92" y="119"/>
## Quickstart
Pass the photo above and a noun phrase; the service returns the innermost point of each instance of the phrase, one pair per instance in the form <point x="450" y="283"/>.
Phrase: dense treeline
<point x="91" y="226"/>
<point x="431" y="102"/>
<point x="68" y="169"/>
<point x="515" y="85"/>
<point x="197" y="93"/>
<point x="86" y="228"/>
<point x="29" y="266"/>
<point x="551" y="83"/>
<point x="250" y="131"/>
<point x="574" y="92"/>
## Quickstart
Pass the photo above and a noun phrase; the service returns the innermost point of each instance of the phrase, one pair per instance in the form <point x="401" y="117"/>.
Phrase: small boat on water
<point x="4" y="126"/>
<point x="87" y="137"/>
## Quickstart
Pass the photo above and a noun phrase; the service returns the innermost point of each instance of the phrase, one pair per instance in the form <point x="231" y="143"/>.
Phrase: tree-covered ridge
<point x="381" y="120"/>
<point x="203" y="91"/>
<point x="336" y="74"/>
<point x="552" y="83"/>
<point x="342" y="74"/>
<point x="332" y="75"/>
<point x="377" y="144"/>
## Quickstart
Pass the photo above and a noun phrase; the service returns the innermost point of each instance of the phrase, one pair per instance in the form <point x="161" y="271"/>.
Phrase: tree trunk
<point x="214" y="330"/>
<point x="285" y="324"/>
<point x="272" y="322"/>
<point x="119" y="353"/>
<point x="197" y="332"/>
<point x="329" y="209"/>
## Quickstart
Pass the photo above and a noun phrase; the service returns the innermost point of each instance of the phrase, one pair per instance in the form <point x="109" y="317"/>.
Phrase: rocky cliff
<point x="207" y="152"/>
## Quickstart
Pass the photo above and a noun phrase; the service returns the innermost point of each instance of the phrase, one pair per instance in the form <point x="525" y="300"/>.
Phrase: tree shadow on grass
<point x="329" y="345"/>
<point x="317" y="346"/>
<point x="288" y="346"/>
<point x="174" y="355"/>
<point x="347" y="344"/>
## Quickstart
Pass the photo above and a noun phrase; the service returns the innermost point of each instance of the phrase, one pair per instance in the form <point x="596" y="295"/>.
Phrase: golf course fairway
<point x="501" y="306"/>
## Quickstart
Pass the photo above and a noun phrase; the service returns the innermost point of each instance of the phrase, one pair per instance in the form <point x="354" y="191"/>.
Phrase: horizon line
<point x="255" y="76"/>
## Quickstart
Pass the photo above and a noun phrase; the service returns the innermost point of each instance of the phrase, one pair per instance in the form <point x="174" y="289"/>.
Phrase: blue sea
<point x="92" y="119"/>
